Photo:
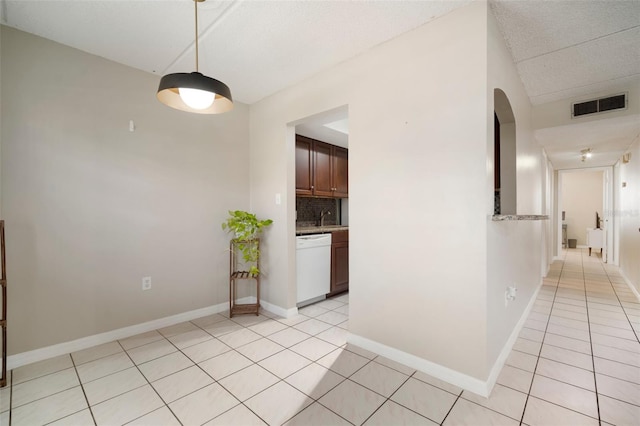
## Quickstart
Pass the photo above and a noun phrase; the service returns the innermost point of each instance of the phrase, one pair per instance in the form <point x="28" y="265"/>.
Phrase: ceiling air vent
<point x="599" y="105"/>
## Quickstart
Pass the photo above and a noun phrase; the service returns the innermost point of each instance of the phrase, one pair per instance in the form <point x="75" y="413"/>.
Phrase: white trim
<point x="556" y="258"/>
<point x="508" y="346"/>
<point x="629" y="283"/>
<point x="472" y="384"/>
<point x="24" y="358"/>
<point x="275" y="309"/>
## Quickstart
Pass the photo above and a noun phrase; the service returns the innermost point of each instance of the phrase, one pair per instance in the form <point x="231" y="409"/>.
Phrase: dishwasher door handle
<point x="316" y="240"/>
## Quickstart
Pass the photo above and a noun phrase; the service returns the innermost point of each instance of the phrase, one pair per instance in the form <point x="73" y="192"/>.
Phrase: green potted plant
<point x="246" y="229"/>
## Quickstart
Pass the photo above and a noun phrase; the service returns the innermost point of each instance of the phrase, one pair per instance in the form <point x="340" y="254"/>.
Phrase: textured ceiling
<point x="563" y="50"/>
<point x="256" y="47"/>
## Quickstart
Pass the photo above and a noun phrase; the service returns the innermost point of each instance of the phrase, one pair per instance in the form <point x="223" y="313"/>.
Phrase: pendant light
<point x="195" y="92"/>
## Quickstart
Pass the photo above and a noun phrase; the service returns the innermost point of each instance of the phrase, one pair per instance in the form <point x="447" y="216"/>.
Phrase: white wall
<point x="514" y="248"/>
<point x="417" y="236"/>
<point x="582" y="196"/>
<point x="91" y="208"/>
<point x="629" y="216"/>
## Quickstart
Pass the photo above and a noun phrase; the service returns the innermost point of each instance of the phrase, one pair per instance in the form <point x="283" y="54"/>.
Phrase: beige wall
<point x="629" y="216"/>
<point x="582" y="197"/>
<point x="514" y="248"/>
<point x="420" y="194"/>
<point x="91" y="208"/>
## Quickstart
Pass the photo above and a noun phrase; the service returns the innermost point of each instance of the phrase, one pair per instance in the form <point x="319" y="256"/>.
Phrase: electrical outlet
<point x="146" y="283"/>
<point x="510" y="294"/>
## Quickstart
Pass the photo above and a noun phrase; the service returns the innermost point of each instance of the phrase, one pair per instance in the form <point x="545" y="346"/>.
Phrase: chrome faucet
<point x="323" y="213"/>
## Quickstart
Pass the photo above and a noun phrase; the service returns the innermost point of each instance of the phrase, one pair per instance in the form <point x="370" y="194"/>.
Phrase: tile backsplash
<point x="308" y="211"/>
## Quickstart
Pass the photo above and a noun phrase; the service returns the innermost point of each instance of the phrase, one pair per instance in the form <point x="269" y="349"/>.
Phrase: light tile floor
<point x="576" y="362"/>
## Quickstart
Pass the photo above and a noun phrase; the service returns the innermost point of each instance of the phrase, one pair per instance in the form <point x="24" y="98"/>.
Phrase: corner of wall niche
<point x="505" y="171"/>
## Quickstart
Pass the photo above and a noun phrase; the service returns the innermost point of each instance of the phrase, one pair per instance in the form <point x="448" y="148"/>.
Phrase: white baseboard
<point x="275" y="309"/>
<point x="508" y="346"/>
<point x="29" y="357"/>
<point x="472" y="384"/>
<point x="24" y="358"/>
<point x="629" y="284"/>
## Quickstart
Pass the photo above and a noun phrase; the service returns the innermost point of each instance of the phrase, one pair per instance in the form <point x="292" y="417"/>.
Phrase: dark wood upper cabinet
<point x="322" y="169"/>
<point x="340" y="172"/>
<point x="304" y="165"/>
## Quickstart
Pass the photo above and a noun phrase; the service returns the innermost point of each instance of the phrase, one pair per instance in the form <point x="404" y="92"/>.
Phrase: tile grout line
<point x="148" y="382"/>
<point x="535" y="368"/>
<point x="621" y="305"/>
<point x="593" y="363"/>
<point x="257" y="363"/>
<point x="75" y="369"/>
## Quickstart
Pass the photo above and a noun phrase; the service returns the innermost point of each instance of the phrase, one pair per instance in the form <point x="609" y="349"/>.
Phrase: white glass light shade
<point x="196" y="98"/>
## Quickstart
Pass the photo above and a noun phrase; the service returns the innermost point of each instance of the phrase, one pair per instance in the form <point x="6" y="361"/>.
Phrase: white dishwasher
<point x="313" y="267"/>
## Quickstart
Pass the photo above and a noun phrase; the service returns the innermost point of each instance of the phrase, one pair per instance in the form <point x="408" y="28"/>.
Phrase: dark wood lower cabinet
<point x="339" y="262"/>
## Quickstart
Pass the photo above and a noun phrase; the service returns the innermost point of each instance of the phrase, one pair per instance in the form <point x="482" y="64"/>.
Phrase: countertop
<point x="306" y="230"/>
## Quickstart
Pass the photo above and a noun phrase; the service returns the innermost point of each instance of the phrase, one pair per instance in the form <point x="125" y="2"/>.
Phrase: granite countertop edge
<point x="502" y="217"/>
<point x="305" y="230"/>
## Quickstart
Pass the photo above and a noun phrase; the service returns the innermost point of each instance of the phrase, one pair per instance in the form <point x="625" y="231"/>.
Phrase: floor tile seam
<point x="122" y="393"/>
<point x="43" y="376"/>
<point x="567" y="349"/>
<point x="387" y="398"/>
<point x="555" y="379"/>
<point x="78" y="385"/>
<point x="99" y="358"/>
<point x="133" y="347"/>
<point x="557" y="312"/>
<point x="621" y="400"/>
<point x="319" y="397"/>
<point x="617" y="348"/>
<point x="529" y="340"/>
<point x="609" y="335"/>
<point x="245" y="406"/>
<point x="568" y="337"/>
<point x="621" y="305"/>
<point x="535" y="367"/>
<point x="165" y="402"/>
<point x="149" y="384"/>
<point x="289" y="347"/>
<point x="106" y="375"/>
<point x="612" y="326"/>
<point x="267" y="357"/>
<point x="338" y="414"/>
<point x="489" y="408"/>
<point x="191" y="359"/>
<point x="593" y="363"/>
<point x="566" y="325"/>
<point x="617" y="378"/>
<point x="444" y="419"/>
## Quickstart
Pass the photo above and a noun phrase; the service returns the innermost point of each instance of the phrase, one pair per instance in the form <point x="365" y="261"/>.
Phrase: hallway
<point x="580" y="346"/>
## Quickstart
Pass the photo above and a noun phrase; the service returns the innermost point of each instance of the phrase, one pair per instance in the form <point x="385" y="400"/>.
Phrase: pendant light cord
<point x="196" y="8"/>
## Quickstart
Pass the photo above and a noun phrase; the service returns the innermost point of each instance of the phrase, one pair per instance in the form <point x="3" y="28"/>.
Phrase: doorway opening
<point x="584" y="210"/>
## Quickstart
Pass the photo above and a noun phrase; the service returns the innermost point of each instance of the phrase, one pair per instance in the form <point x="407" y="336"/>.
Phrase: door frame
<point x="610" y="251"/>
